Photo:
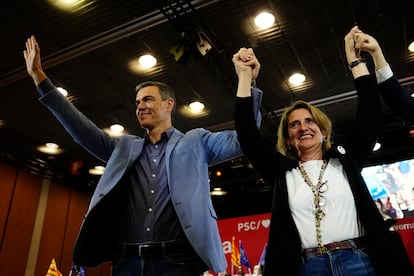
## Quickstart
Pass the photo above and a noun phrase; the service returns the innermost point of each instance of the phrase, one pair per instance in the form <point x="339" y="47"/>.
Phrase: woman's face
<point x="304" y="134"/>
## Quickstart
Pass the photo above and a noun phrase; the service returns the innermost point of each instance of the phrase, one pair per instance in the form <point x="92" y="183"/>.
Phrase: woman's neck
<point x="304" y="157"/>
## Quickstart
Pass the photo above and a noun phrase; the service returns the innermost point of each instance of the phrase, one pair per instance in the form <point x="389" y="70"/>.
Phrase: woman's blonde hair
<point x="321" y="119"/>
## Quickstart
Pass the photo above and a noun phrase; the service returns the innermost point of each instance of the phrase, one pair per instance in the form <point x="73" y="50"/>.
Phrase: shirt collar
<point x="164" y="136"/>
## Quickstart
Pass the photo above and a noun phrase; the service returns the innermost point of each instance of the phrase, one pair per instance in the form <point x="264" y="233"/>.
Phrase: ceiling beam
<point x="112" y="35"/>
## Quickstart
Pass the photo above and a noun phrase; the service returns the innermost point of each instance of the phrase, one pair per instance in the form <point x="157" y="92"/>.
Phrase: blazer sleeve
<point x="260" y="153"/>
<point x="397" y="99"/>
<point x="83" y="131"/>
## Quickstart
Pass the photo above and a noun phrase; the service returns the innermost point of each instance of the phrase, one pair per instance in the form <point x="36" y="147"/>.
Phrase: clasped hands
<point x="357" y="41"/>
<point x="246" y="63"/>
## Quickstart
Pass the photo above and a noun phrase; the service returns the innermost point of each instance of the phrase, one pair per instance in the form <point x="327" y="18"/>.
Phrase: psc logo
<point x="252" y="225"/>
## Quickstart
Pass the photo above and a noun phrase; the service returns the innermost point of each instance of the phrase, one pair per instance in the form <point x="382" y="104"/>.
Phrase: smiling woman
<point x="299" y="120"/>
<point x="318" y="188"/>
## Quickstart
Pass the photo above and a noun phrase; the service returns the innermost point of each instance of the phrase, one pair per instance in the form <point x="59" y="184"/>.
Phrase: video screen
<point x="391" y="186"/>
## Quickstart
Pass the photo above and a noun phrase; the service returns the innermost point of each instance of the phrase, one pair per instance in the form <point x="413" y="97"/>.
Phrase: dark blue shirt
<point x="149" y="214"/>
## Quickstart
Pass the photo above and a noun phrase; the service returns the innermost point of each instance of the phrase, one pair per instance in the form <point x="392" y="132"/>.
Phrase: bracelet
<point x="356" y="62"/>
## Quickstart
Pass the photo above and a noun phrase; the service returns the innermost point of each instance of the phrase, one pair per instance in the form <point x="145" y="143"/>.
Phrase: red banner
<point x="253" y="231"/>
<point x="405" y="227"/>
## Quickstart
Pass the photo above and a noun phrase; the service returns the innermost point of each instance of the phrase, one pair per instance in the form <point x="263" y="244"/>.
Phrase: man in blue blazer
<point x="151" y="212"/>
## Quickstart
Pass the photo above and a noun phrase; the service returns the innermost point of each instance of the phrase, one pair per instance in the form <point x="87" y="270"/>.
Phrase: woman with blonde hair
<point x="324" y="220"/>
<point x="320" y="118"/>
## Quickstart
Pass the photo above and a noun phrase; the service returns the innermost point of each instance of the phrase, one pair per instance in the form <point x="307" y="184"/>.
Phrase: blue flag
<point x="77" y="271"/>
<point x="262" y="258"/>
<point x="243" y="257"/>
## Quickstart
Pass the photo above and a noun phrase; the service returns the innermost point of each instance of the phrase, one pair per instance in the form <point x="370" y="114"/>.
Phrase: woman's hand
<point x="246" y="63"/>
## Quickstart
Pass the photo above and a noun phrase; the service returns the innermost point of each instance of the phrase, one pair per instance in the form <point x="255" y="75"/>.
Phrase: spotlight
<point x="203" y="43"/>
<point x="180" y="52"/>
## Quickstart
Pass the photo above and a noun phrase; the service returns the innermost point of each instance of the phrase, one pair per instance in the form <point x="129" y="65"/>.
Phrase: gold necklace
<point x="317" y="191"/>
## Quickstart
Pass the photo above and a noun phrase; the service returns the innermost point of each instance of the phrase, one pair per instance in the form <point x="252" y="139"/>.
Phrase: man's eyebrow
<point x="148" y="97"/>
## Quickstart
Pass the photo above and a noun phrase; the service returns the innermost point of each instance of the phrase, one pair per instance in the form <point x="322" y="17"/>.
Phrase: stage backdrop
<point x="252" y="232"/>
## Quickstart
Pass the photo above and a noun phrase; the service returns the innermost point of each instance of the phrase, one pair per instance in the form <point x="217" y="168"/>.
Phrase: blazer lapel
<point x="135" y="151"/>
<point x="172" y="142"/>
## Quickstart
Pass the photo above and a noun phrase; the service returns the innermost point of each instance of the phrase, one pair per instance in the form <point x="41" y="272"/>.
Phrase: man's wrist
<point x="383" y="74"/>
<point x="38" y="77"/>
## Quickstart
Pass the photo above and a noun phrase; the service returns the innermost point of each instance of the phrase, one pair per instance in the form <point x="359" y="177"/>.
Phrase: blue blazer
<point x="188" y="157"/>
<point x="397" y="99"/>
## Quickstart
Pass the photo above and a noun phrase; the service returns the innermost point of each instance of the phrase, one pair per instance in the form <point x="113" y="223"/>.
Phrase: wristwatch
<point x="356" y="62"/>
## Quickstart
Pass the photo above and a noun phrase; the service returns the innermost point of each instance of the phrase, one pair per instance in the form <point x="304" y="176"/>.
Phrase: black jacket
<point x="284" y="252"/>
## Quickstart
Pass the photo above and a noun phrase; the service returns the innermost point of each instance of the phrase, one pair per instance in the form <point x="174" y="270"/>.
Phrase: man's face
<point x="152" y="111"/>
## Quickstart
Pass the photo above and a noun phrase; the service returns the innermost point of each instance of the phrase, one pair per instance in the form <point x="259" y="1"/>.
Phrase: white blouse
<point x="340" y="220"/>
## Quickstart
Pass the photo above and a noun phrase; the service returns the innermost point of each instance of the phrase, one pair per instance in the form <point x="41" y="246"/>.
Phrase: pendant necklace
<point x="317" y="189"/>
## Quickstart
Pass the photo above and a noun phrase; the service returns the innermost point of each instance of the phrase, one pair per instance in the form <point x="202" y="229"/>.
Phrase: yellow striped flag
<point x="235" y="254"/>
<point x="53" y="270"/>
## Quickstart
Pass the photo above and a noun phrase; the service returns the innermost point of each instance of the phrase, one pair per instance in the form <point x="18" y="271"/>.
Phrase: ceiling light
<point x="193" y="112"/>
<point x="52" y="145"/>
<point x="70" y="5"/>
<point x="62" y="91"/>
<point x="69" y="2"/>
<point x="98" y="170"/>
<point x="147" y="61"/>
<point x="264" y="20"/>
<point x="411" y="47"/>
<point x="196" y="107"/>
<point x="217" y="192"/>
<point x="297" y="79"/>
<point x="377" y="146"/>
<point x="115" y="130"/>
<point x="50" y="148"/>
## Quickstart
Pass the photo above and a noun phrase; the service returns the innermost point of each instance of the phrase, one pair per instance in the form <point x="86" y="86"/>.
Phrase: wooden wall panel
<point x="8" y="176"/>
<point x="21" y="195"/>
<point x="54" y="229"/>
<point x="77" y="210"/>
<point x="79" y="203"/>
<point x="18" y="231"/>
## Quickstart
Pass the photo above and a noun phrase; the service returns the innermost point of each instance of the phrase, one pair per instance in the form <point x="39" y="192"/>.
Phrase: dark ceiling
<point x="89" y="51"/>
